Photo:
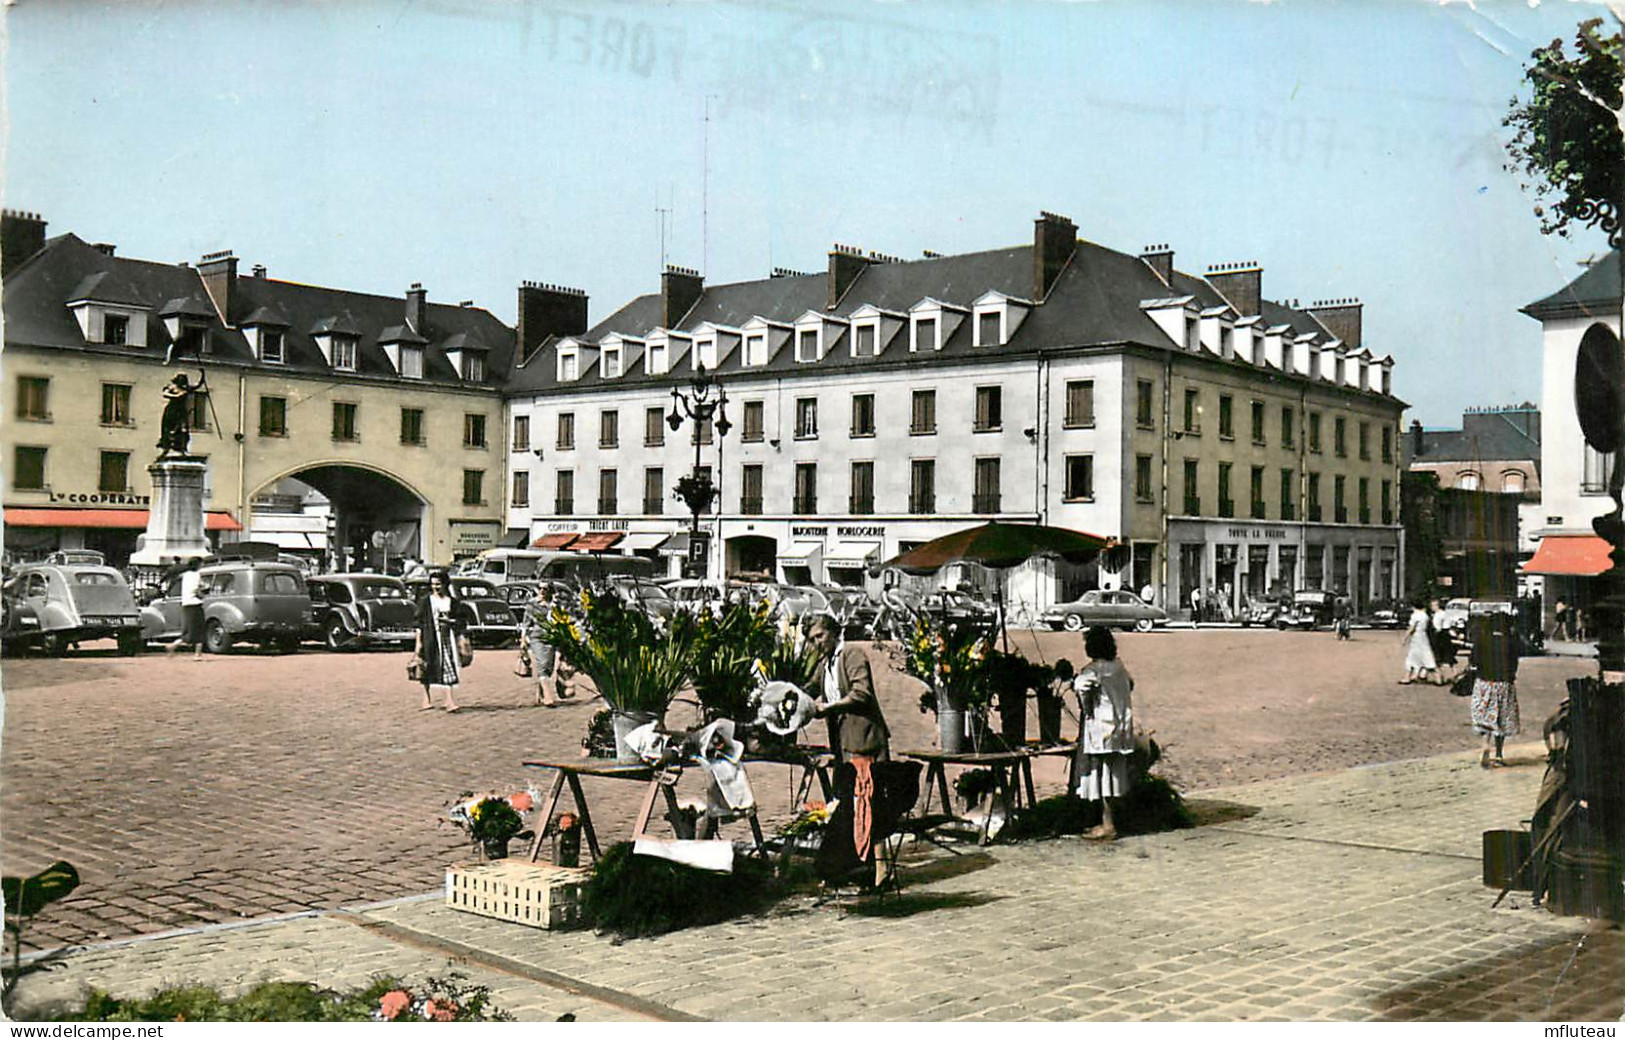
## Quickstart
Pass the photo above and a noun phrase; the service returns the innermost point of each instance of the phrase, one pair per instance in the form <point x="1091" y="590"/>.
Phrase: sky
<point x="1352" y="148"/>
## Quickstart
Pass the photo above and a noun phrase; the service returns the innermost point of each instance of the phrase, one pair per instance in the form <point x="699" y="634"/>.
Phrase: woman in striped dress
<point x="438" y="628"/>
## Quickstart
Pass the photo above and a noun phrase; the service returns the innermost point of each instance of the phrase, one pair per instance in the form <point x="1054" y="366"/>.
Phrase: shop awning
<point x="514" y="539"/>
<point x="676" y="545"/>
<point x="597" y="541"/>
<point x="851" y="555"/>
<point x="642" y="541"/>
<point x="1578" y="555"/>
<point x="801" y="554"/>
<point x="554" y="541"/>
<point x="26" y="516"/>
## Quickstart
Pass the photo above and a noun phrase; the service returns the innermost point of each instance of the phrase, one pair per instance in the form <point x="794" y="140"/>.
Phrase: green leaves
<point x="26" y="897"/>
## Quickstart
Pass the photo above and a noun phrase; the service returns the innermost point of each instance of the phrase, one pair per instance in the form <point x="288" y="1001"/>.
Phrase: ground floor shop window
<point x="1286" y="568"/>
<point x="1340" y="568"/>
<point x="1190" y="571"/>
<point x="1314" y="574"/>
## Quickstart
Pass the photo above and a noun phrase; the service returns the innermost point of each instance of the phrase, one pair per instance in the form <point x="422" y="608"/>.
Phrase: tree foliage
<point x="1568" y="135"/>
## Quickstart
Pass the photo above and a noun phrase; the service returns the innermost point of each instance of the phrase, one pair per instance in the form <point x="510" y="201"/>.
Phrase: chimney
<point x="548" y="310"/>
<point x="219" y="274"/>
<point x="1161" y="259"/>
<point x="1341" y="318"/>
<point x="1241" y="284"/>
<point x="259" y="270"/>
<point x="680" y="289"/>
<point x="845" y="264"/>
<point x="104" y="248"/>
<point x="1417" y="447"/>
<point x="416" y="307"/>
<point x="1054" y="239"/>
<point x="21" y="236"/>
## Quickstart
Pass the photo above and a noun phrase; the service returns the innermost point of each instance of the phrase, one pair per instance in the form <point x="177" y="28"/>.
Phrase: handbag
<point x="414" y="669"/>
<point x="1463" y="686"/>
<point x="465" y="652"/>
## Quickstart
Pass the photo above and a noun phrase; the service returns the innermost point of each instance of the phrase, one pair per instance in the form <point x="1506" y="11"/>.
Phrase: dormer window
<point x="864" y="337"/>
<point x="411" y="362"/>
<point x="656" y="360"/>
<point x="344" y="353"/>
<point x="115" y="328"/>
<point x="569" y="366"/>
<point x="271" y="346"/>
<point x="705" y="353"/>
<point x="923" y="336"/>
<point x="1193" y="335"/>
<point x="1227" y="348"/>
<point x="473" y="367"/>
<point x="989" y="328"/>
<point x="806" y="345"/>
<point x="756" y="349"/>
<point x="610" y="367"/>
<point x="1339" y="370"/>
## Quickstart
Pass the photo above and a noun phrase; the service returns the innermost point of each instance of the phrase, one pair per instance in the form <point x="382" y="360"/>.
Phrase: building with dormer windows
<point x="1226" y="440"/>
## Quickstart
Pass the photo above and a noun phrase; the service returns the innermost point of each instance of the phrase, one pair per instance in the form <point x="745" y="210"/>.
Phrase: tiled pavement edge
<point x="1348" y="896"/>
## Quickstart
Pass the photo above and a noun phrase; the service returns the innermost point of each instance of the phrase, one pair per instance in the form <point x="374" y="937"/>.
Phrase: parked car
<point x="490" y="620"/>
<point x="645" y="595"/>
<point x="1260" y="610"/>
<point x="518" y="594"/>
<point x="800" y="602"/>
<point x="19" y="624"/>
<point x="954" y="606"/>
<point x="855" y="608"/>
<point x="1311" y="609"/>
<point x="1114" y="608"/>
<point x="255" y="601"/>
<point x="75" y="602"/>
<point x="351" y="611"/>
<point x="1386" y="614"/>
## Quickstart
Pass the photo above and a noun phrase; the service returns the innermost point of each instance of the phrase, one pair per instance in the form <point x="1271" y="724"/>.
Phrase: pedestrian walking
<point x="1106" y="738"/>
<point x="1196" y="607"/>
<point x="538" y="657"/>
<point x="1494" y="709"/>
<point x="191" y="610"/>
<point x="1560" y="622"/>
<point x="1419" y="660"/>
<point x="440" y="643"/>
<point x="1444" y="644"/>
<point x="1341" y="609"/>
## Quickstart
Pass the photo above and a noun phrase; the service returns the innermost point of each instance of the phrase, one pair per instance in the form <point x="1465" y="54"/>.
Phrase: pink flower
<point x="522" y="802"/>
<point x="439" y="1011"/>
<point x="391" y="1004"/>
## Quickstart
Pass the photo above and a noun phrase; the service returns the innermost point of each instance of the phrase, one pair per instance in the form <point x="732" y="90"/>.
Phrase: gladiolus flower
<point x="439" y="1011"/>
<point x="391" y="1004"/>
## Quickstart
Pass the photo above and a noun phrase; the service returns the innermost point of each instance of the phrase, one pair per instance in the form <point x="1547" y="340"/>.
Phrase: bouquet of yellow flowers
<point x="951" y="658"/>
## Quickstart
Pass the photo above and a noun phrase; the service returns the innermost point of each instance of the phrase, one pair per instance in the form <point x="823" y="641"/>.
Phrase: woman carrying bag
<point x="440" y="649"/>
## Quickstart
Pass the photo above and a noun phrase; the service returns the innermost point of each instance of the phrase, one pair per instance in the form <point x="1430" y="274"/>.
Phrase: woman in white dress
<point x="1419" y="660"/>
<point x="1107" y="736"/>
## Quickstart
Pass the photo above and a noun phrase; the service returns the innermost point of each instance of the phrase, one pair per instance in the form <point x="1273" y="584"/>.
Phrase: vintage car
<point x="19" y="625"/>
<point x="855" y="608"/>
<point x="1311" y="609"/>
<point x="652" y="599"/>
<point x="1386" y="614"/>
<point x="1260" y="610"/>
<point x="75" y="602"/>
<point x="489" y="619"/>
<point x="244" y="600"/>
<point x="1114" y="608"/>
<point x="351" y="611"/>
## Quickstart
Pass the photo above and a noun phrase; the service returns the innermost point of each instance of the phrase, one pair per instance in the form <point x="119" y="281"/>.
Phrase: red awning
<point x="1580" y="555"/>
<point x="24" y="516"/>
<point x="554" y="541"/>
<point x="598" y="541"/>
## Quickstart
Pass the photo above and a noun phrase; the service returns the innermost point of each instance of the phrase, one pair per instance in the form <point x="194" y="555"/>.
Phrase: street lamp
<point x="704" y="400"/>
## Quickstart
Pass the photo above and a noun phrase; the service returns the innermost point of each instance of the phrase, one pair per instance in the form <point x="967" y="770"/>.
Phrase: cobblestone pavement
<point x="1353" y="895"/>
<point x="255" y="784"/>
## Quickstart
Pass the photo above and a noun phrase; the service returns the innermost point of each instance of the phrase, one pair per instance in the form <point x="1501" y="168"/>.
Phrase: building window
<point x="1314" y="432"/>
<point x="1388" y="444"/>
<point x="989" y="329"/>
<point x="1314" y="499"/>
<point x="1142" y="478"/>
<point x="1256" y="492"/>
<point x="863" y="415"/>
<point x="654" y="427"/>
<point x="753" y="424"/>
<point x="1227" y="417"/>
<point x="806" y="418"/>
<point x="1193" y="489"/>
<point x="985" y="494"/>
<point x="923" y="415"/>
<point x="925" y="334"/>
<point x="28" y="469"/>
<point x="1258" y="422"/>
<point x="750" y="490"/>
<point x="922" y="487"/>
<point x="608" y="492"/>
<point x="1080" y="478"/>
<point x="1288" y="424"/>
<point x="473" y="430"/>
<point x="474" y="367"/>
<point x="1080" y="403"/>
<point x="521" y="433"/>
<point x="114" y="474"/>
<point x="521" y="489"/>
<point x="1340" y="510"/>
<point x="569" y="367"/>
<point x="1289" y="495"/>
<point x="1193" y="411"/>
<point x="806" y="345"/>
<point x="806" y="503"/>
<point x="1468" y="481"/>
<point x="115" y="329"/>
<point x="654" y="490"/>
<point x="756" y="349"/>
<point x="611" y="365"/>
<point x="1227" y="505"/>
<point x="705" y="353"/>
<point x="115" y="404"/>
<point x="1387" y="501"/>
<point x="863" y="341"/>
<point x="703" y="429"/>
<point x="198" y="416"/>
<point x="1365" y="500"/>
<point x="271" y="346"/>
<point x="989" y="409"/>
<point x="567" y="431"/>
<point x="344" y="428"/>
<point x="473" y="487"/>
<point x="564" y="494"/>
<point x="411" y="426"/>
<point x="1340" y="437"/>
<point x="1512" y="482"/>
<point x="273" y="417"/>
<point x="1144" y="391"/>
<point x="1365" y="442"/>
<point x="344" y="353"/>
<point x="33" y="398"/>
<point x="411" y="362"/>
<point x="863" y="488"/>
<point x="654" y="360"/>
<point x="609" y="428"/>
<point x="1595" y="470"/>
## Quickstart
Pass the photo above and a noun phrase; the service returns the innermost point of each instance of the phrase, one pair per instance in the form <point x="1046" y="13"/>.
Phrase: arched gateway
<point x="344" y="515"/>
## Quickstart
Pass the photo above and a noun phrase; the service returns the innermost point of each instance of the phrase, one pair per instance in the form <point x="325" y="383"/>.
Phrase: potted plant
<point x="951" y="660"/>
<point x="637" y="662"/>
<point x="491" y="822"/>
<point x="725" y="650"/>
<point x="1051" y="700"/>
<point x="1011" y="679"/>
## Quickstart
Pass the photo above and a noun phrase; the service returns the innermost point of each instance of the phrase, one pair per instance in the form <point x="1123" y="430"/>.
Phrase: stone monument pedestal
<point x="175" y="521"/>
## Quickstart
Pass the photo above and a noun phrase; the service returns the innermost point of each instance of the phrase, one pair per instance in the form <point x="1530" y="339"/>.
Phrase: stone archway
<point x="343" y="515"/>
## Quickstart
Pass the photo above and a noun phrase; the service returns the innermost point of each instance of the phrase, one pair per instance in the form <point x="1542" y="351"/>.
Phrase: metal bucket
<point x="624" y="723"/>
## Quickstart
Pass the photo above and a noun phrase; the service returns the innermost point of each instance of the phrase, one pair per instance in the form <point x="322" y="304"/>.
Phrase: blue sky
<point x="1353" y="148"/>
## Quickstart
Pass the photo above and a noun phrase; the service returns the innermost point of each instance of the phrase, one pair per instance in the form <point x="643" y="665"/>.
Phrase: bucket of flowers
<point x="806" y="831"/>
<point x="951" y="659"/>
<point x="567" y="840"/>
<point x="491" y="821"/>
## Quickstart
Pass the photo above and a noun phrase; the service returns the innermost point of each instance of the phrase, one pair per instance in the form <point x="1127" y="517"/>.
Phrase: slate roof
<point x="1094" y="301"/>
<point x="1597" y="290"/>
<point x="37" y="292"/>
<point x="1494" y="436"/>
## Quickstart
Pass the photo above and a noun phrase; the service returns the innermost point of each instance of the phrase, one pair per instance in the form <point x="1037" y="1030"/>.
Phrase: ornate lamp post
<point x="704" y="400"/>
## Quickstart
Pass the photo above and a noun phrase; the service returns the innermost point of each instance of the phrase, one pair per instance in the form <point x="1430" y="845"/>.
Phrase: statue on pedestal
<point x="177" y="421"/>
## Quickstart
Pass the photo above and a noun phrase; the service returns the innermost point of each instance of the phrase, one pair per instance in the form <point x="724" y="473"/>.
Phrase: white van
<point x="502" y="565"/>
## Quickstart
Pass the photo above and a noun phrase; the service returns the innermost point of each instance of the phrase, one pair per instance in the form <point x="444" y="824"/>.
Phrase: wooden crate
<point x="536" y="894"/>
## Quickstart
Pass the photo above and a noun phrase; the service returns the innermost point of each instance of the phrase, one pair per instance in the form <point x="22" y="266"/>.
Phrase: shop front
<point x="1231" y="561"/>
<point x="34" y="532"/>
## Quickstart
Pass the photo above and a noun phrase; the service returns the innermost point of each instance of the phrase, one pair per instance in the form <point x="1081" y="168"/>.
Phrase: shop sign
<point x="1257" y="532"/>
<point x="562" y="525"/>
<point x="100" y="498"/>
<point x="808" y="532"/>
<point x="607" y="525"/>
<point x="473" y="536"/>
<point x="878" y="531"/>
